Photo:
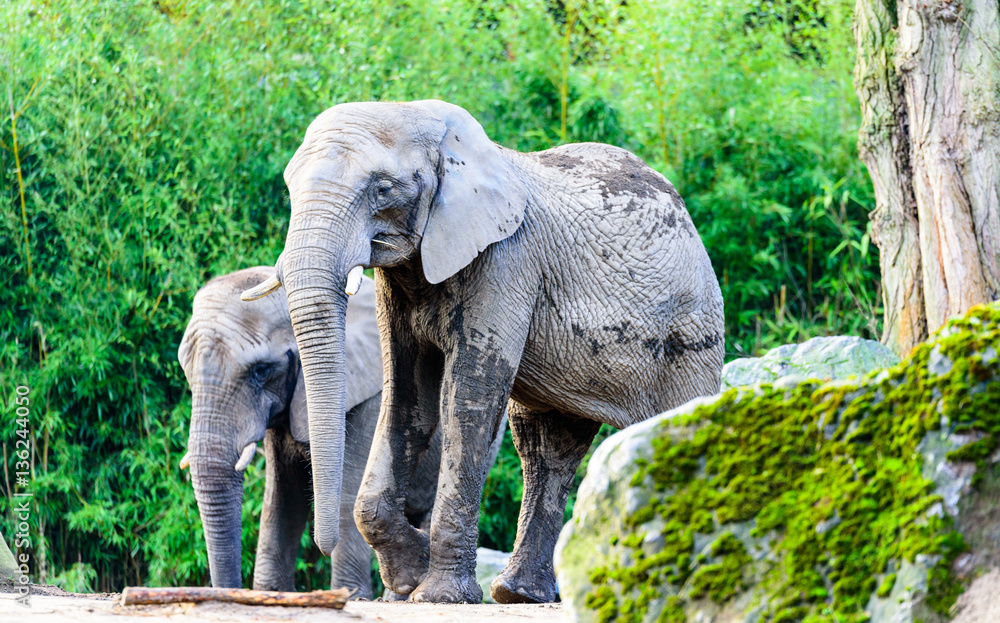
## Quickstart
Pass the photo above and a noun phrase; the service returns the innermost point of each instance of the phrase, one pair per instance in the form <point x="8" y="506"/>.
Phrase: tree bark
<point x="928" y="78"/>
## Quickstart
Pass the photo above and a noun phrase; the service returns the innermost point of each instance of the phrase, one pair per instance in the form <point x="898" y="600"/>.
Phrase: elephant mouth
<point x="391" y="249"/>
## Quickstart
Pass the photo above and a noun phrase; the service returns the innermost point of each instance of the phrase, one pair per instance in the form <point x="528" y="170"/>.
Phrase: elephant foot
<point x="517" y="585"/>
<point x="403" y="565"/>
<point x="361" y="593"/>
<point x="449" y="588"/>
<point x="388" y="595"/>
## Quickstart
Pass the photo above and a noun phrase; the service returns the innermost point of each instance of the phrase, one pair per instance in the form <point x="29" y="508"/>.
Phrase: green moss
<point x="790" y="615"/>
<point x="943" y="588"/>
<point x="605" y="602"/>
<point x="830" y="475"/>
<point x="721" y="580"/>
<point x="886" y="587"/>
<point x="673" y="611"/>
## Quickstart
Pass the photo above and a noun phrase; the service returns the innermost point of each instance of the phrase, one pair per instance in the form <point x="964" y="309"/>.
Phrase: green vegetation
<point x="886" y="586"/>
<point x="721" y="580"/>
<point x="142" y="149"/>
<point x="829" y="476"/>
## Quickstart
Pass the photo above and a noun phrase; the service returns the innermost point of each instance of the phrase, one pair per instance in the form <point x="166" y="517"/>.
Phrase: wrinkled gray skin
<point x="570" y="281"/>
<point x="242" y="364"/>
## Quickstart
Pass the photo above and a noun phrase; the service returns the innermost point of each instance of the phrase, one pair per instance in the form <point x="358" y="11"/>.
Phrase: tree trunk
<point x="928" y="77"/>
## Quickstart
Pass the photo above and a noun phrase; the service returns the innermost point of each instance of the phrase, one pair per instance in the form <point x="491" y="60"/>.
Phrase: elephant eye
<point x="384" y="187"/>
<point x="260" y="372"/>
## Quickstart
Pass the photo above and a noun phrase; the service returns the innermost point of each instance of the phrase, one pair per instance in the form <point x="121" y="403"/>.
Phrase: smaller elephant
<point x="242" y="364"/>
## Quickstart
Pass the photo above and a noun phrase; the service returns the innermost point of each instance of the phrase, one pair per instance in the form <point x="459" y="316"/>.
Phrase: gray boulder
<point x="823" y="358"/>
<point x="871" y="499"/>
<point x="489" y="564"/>
<point x="8" y="566"/>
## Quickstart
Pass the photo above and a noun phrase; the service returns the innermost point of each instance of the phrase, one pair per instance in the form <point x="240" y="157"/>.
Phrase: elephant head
<point x="242" y="364"/>
<point x="379" y="185"/>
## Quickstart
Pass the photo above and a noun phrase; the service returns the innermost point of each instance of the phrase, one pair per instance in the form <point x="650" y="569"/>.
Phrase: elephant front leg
<point x="551" y="445"/>
<point x="406" y="423"/>
<point x="472" y="405"/>
<point x="286" y="508"/>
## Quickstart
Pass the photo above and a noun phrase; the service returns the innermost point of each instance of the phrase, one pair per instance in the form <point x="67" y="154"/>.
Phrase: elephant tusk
<point x="388" y="244"/>
<point x="261" y="290"/>
<point x="354" y="280"/>
<point x="185" y="461"/>
<point x="246" y="456"/>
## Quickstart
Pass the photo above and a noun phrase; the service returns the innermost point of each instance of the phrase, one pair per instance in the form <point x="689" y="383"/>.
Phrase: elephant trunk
<point x="317" y="303"/>
<point x="218" y="488"/>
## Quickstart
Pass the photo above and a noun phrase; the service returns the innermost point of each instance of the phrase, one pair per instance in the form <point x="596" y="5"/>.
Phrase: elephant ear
<point x="363" y="350"/>
<point x="298" y="412"/>
<point x="480" y="198"/>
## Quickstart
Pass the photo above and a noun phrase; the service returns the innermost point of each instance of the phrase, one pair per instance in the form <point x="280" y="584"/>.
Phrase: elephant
<point x="242" y="364"/>
<point x="568" y="285"/>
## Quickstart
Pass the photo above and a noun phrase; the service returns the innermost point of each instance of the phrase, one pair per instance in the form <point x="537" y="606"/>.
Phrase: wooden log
<point x="139" y="595"/>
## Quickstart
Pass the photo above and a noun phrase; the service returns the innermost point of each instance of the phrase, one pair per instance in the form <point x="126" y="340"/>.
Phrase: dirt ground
<point x="56" y="606"/>
<point x="979" y="604"/>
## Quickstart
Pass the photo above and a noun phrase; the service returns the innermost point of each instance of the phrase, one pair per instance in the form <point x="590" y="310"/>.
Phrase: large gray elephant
<point x="571" y="281"/>
<point x="242" y="364"/>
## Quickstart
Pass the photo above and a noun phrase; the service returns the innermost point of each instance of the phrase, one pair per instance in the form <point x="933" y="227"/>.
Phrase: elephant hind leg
<point x="551" y="445"/>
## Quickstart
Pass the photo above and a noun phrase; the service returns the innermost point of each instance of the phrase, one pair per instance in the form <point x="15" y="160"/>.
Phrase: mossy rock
<point x="823" y="358"/>
<point x="870" y="499"/>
